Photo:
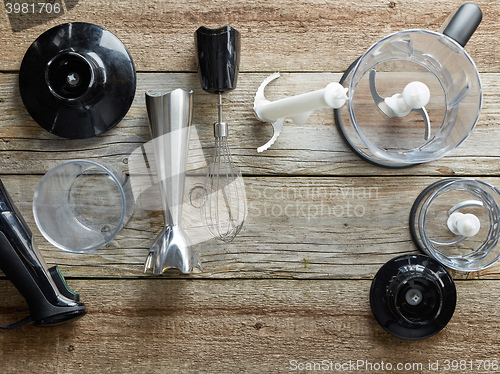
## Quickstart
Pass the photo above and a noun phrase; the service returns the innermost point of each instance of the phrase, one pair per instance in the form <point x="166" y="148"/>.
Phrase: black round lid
<point x="413" y="297"/>
<point x="77" y="80"/>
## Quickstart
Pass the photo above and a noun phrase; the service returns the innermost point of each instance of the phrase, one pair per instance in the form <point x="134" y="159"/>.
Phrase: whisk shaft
<point x="224" y="202"/>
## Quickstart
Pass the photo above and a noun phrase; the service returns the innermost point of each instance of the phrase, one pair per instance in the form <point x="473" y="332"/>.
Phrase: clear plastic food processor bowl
<point x="395" y="61"/>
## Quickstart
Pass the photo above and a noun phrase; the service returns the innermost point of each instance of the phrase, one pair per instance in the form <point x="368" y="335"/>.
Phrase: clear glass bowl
<point x="430" y="232"/>
<point x="81" y="205"/>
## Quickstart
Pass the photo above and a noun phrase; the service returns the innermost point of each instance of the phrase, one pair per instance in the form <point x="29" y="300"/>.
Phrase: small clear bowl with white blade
<point x="457" y="222"/>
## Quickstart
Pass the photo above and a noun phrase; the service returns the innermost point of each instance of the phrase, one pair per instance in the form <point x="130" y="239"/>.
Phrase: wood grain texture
<point x="286" y="35"/>
<point x="294" y="284"/>
<point x="319" y="228"/>
<point x="245" y="326"/>
<point x="313" y="149"/>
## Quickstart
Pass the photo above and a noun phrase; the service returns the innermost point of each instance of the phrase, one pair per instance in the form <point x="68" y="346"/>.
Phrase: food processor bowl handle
<point x="463" y="23"/>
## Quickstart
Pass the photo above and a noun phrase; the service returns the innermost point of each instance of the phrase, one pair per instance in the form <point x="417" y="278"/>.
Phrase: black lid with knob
<point x="218" y="58"/>
<point x="413" y="297"/>
<point x="77" y="80"/>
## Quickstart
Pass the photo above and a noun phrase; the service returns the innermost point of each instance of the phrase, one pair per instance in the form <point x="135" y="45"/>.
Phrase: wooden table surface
<point x="293" y="288"/>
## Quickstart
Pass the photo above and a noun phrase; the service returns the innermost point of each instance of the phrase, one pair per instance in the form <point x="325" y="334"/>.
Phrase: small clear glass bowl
<point x="431" y="234"/>
<point x="81" y="205"/>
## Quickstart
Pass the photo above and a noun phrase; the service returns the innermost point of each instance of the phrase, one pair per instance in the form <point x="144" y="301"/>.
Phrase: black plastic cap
<point x="464" y="23"/>
<point x="218" y="58"/>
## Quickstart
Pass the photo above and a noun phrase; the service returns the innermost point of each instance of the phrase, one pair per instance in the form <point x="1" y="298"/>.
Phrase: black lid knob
<point x="218" y="58"/>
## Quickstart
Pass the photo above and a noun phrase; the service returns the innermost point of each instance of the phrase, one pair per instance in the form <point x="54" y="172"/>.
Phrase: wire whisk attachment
<point x="223" y="207"/>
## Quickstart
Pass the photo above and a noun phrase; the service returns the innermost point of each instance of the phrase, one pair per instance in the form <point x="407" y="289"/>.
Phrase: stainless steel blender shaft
<point x="170" y="118"/>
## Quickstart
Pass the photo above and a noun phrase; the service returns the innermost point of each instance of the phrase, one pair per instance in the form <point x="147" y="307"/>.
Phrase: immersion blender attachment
<point x="77" y="80"/>
<point x="298" y="107"/>
<point x="223" y="207"/>
<point x="418" y="72"/>
<point x="170" y="119"/>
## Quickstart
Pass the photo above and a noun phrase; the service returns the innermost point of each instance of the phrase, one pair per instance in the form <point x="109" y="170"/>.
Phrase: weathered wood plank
<point x="296" y="228"/>
<point x="254" y="326"/>
<point x="317" y="214"/>
<point x="313" y="149"/>
<point x="305" y="35"/>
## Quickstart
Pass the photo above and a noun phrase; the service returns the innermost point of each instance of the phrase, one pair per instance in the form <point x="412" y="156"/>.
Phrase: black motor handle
<point x="49" y="298"/>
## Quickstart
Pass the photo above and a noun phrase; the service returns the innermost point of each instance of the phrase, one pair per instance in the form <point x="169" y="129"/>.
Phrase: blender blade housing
<point x="170" y="117"/>
<point x="387" y="130"/>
